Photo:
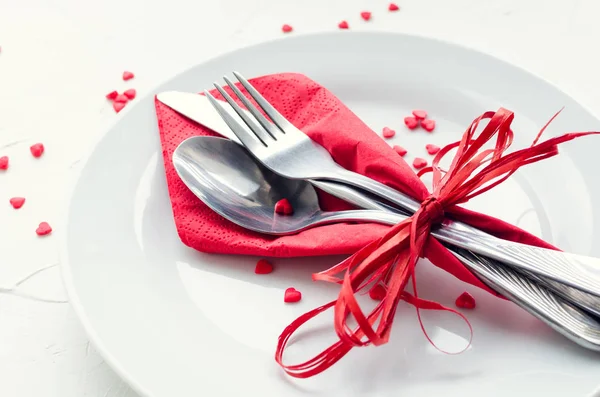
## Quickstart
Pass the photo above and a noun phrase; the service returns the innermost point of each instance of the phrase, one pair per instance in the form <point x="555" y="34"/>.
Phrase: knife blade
<point x="196" y="107"/>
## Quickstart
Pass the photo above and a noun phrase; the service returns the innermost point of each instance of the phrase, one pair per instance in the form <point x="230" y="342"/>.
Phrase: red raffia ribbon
<point x="390" y="261"/>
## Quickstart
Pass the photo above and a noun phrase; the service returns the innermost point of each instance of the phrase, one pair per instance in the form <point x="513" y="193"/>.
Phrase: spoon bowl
<point x="228" y="180"/>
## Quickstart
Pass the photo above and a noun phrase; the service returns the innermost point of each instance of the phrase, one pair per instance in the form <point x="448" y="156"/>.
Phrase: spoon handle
<point x="576" y="271"/>
<point x="450" y="235"/>
<point x="560" y="314"/>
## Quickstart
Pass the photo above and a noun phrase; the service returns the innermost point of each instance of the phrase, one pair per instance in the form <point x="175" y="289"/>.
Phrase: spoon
<point x="227" y="179"/>
<point x="224" y="176"/>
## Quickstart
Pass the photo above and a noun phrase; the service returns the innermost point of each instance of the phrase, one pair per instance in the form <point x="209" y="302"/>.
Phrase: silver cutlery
<point x="198" y="108"/>
<point x="289" y="152"/>
<point x="224" y="176"/>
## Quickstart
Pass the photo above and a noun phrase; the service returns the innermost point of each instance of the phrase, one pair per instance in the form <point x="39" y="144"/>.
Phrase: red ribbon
<point x="390" y="261"/>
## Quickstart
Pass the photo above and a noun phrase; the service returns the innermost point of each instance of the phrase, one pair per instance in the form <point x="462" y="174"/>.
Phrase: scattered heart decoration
<point x="17" y="202"/>
<point x="292" y="295"/>
<point x="432" y="149"/>
<point x="377" y="293"/>
<point x="428" y="125"/>
<point x="37" y="150"/>
<point x="43" y="229"/>
<point x="284" y="207"/>
<point x="263" y="266"/>
<point x="411" y="122"/>
<point x="465" y="301"/>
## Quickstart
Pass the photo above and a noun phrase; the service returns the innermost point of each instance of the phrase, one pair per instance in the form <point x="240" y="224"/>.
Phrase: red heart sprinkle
<point x="432" y="149"/>
<point x="128" y="75"/>
<point x="283" y="207"/>
<point x="388" y="132"/>
<point x="286" y="28"/>
<point x="118" y="106"/>
<point x="366" y="15"/>
<point x="343" y="25"/>
<point x="130" y="93"/>
<point x="37" y="150"/>
<point x="377" y="293"/>
<point x="419" y="163"/>
<point x="43" y="229"/>
<point x="393" y="7"/>
<point x="465" y="301"/>
<point x="4" y="163"/>
<point x="428" y="125"/>
<point x="17" y="202"/>
<point x="420" y="114"/>
<point x="400" y="150"/>
<point x="411" y="122"/>
<point x="263" y="266"/>
<point x="121" y="98"/>
<point x="112" y="95"/>
<point x="292" y="295"/>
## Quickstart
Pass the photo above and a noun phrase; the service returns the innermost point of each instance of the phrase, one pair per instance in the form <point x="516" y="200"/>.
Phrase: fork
<point x="287" y="151"/>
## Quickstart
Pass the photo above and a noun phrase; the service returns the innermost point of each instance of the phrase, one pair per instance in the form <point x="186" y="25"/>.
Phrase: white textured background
<point x="60" y="57"/>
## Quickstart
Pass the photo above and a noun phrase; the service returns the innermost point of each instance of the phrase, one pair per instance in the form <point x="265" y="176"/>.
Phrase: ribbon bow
<point x="390" y="261"/>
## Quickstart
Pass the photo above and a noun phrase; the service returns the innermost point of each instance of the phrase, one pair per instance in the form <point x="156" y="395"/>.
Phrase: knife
<point x="198" y="108"/>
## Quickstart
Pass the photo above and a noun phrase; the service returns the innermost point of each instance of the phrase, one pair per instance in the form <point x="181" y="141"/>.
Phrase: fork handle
<point x="576" y="271"/>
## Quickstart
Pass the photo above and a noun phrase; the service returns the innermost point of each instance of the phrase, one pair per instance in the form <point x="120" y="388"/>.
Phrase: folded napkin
<point x="322" y="116"/>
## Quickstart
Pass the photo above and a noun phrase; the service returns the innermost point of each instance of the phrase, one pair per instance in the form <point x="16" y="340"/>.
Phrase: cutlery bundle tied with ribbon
<point x="462" y="242"/>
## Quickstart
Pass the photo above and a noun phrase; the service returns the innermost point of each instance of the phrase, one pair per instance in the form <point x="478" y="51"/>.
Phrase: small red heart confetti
<point x="400" y="150"/>
<point x="37" y="150"/>
<point x="283" y="207"/>
<point x="366" y="15"/>
<point x="393" y="7"/>
<point x="130" y="93"/>
<point x="112" y="95"/>
<point x="128" y="75"/>
<point x="411" y="122"/>
<point x="465" y="301"/>
<point x="17" y="202"/>
<point x="118" y="106"/>
<point x="343" y="25"/>
<point x="292" y="295"/>
<point x="420" y="114"/>
<point x="121" y="98"/>
<point x="286" y="28"/>
<point x="43" y="229"/>
<point x="377" y="293"/>
<point x="432" y="149"/>
<point x="4" y="163"/>
<point x="388" y="132"/>
<point x="419" y="163"/>
<point x="263" y="266"/>
<point x="428" y="125"/>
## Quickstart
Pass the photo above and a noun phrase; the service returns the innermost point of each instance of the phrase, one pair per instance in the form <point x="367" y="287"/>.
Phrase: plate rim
<point x="75" y="176"/>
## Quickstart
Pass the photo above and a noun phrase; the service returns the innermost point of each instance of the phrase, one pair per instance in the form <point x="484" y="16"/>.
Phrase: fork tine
<point x="254" y="127"/>
<point x="248" y="139"/>
<point x="267" y="125"/>
<point x="250" y="121"/>
<point x="273" y="114"/>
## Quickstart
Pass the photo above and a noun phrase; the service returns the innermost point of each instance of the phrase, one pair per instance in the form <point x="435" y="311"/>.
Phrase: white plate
<point x="175" y="322"/>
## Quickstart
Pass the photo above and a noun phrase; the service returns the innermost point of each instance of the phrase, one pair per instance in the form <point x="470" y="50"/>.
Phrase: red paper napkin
<point x="322" y="116"/>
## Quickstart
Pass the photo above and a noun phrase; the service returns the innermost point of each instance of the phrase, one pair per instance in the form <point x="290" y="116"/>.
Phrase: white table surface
<point x="60" y="57"/>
